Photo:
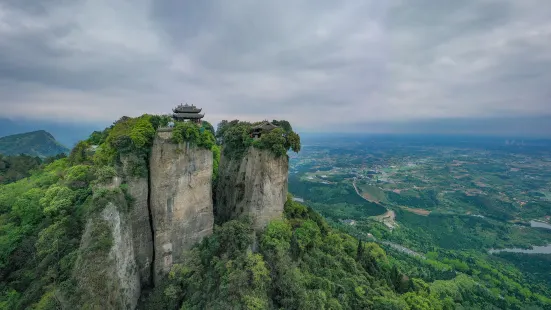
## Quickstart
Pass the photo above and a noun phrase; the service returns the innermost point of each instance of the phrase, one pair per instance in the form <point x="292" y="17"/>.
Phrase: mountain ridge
<point x="34" y="143"/>
<point x="68" y="133"/>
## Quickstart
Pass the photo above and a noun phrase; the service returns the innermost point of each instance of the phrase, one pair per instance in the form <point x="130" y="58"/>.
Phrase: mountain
<point x="67" y="133"/>
<point x="142" y="216"/>
<point x="36" y="143"/>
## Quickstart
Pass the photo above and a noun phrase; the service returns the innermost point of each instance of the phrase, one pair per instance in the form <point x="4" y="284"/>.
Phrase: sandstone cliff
<point x="106" y="273"/>
<point x="255" y="185"/>
<point x="138" y="189"/>
<point x="156" y="209"/>
<point x="181" y="199"/>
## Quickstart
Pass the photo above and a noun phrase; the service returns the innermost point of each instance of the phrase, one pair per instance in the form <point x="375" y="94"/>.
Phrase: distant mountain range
<point x="36" y="143"/>
<point x="67" y="133"/>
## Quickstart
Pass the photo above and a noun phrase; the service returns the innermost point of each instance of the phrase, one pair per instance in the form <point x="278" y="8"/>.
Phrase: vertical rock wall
<point x="255" y="185"/>
<point x="126" y="275"/>
<point x="180" y="198"/>
<point x="106" y="271"/>
<point x="138" y="189"/>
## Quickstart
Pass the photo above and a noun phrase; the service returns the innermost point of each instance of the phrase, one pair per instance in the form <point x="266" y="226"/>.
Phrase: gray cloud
<point x="312" y="62"/>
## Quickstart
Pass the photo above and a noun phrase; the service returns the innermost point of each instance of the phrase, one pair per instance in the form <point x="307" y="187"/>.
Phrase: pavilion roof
<point x="265" y="126"/>
<point x="186" y="109"/>
<point x="188" y="115"/>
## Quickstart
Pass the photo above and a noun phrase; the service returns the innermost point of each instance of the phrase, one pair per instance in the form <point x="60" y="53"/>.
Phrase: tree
<point x="308" y="236"/>
<point x="79" y="153"/>
<point x="185" y="131"/>
<point x="285" y="125"/>
<point x="236" y="139"/>
<point x="57" y="200"/>
<point x="389" y="303"/>
<point x="98" y="137"/>
<point x="293" y="141"/>
<point x="142" y="132"/>
<point x="360" y="251"/>
<point x="221" y="129"/>
<point x="78" y="176"/>
<point x="208" y="126"/>
<point x="277" y="236"/>
<point x="27" y="207"/>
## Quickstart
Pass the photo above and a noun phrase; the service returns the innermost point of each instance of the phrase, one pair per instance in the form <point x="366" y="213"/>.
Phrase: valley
<point x="449" y="199"/>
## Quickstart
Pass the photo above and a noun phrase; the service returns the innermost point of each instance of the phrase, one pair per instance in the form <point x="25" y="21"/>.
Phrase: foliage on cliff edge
<point x="190" y="132"/>
<point x="202" y="136"/>
<point x="236" y="137"/>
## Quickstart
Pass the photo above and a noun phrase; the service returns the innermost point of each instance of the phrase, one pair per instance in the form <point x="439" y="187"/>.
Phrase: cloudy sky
<point x="315" y="62"/>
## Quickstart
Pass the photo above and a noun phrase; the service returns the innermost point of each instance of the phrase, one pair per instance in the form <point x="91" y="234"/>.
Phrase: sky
<point x="358" y="65"/>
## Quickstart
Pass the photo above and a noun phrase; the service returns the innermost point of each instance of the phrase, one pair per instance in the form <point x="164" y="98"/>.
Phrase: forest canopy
<point x="303" y="263"/>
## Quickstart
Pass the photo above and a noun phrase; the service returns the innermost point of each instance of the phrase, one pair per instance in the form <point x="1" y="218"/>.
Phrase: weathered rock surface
<point x="181" y="199"/>
<point x="138" y="189"/>
<point x="107" y="275"/>
<point x="255" y="185"/>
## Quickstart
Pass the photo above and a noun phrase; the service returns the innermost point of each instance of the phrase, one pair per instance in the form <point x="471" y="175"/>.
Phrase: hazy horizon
<point x="68" y="133"/>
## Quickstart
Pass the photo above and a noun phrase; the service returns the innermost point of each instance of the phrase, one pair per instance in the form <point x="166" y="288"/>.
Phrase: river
<point x="546" y="249"/>
<point x="539" y="224"/>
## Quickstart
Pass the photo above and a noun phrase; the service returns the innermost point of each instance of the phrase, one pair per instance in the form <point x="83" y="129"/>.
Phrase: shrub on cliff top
<point x="131" y="133"/>
<point x="190" y="132"/>
<point x="125" y="136"/>
<point x="236" y="138"/>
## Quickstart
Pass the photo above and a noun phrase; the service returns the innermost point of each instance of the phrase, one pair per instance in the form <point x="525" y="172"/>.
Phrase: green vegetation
<point x="216" y="161"/>
<point x="42" y="217"/>
<point x="48" y="203"/>
<point x="303" y="263"/>
<point x="279" y="141"/>
<point x="334" y="201"/>
<point x="200" y="136"/>
<point x="190" y="132"/>
<point x="452" y="204"/>
<point x="236" y="136"/>
<point x="41" y="220"/>
<point x="37" y="143"/>
<point x="127" y="135"/>
<point x="14" y="168"/>
<point x="349" y="260"/>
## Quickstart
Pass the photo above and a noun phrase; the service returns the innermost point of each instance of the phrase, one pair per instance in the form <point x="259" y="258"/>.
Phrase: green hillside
<point x="36" y="143"/>
<point x="304" y="263"/>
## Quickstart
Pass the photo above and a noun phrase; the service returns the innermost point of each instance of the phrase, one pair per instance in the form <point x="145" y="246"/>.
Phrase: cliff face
<point x="180" y="198"/>
<point x="255" y="185"/>
<point x="106" y="272"/>
<point x="152" y="212"/>
<point x="165" y="208"/>
<point x="142" y="239"/>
